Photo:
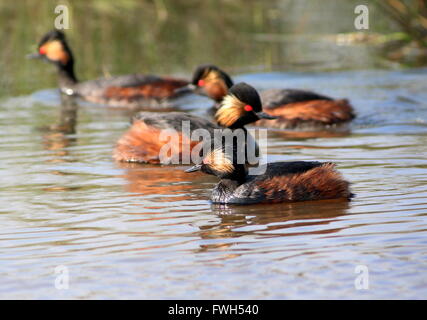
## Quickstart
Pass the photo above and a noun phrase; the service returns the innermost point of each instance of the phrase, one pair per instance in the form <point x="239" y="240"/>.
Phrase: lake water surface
<point x="140" y="231"/>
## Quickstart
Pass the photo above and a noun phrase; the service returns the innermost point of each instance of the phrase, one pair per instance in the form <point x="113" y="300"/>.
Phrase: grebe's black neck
<point x="235" y="178"/>
<point x="66" y="76"/>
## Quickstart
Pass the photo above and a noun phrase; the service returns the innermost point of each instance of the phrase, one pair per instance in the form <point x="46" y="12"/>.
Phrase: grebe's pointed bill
<point x="263" y="115"/>
<point x="34" y="56"/>
<point x="197" y="167"/>
<point x="186" y="89"/>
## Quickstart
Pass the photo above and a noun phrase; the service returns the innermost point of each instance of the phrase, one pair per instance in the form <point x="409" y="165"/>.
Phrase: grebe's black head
<point x="211" y="81"/>
<point x="222" y="163"/>
<point x="241" y="106"/>
<point x="53" y="47"/>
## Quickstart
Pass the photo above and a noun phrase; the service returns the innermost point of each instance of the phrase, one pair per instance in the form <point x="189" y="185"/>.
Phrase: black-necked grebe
<point x="293" y="108"/>
<point x="278" y="181"/>
<point x="142" y="143"/>
<point x="135" y="91"/>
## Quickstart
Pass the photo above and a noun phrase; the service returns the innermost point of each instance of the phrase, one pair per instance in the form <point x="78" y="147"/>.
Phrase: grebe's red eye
<point x="201" y="83"/>
<point x="42" y="50"/>
<point x="248" y="108"/>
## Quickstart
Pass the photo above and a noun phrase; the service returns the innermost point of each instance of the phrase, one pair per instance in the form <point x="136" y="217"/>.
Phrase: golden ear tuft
<point x="214" y="84"/>
<point x="219" y="161"/>
<point x="230" y="111"/>
<point x="211" y="76"/>
<point x="54" y="50"/>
